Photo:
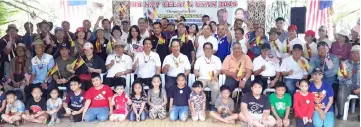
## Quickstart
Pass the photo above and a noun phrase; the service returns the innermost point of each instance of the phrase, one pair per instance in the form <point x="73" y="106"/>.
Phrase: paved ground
<point x="352" y="122"/>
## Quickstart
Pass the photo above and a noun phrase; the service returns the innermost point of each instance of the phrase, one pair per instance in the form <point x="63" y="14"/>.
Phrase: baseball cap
<point x="310" y="33"/>
<point x="297" y="46"/>
<point x="355" y="48"/>
<point x="317" y="71"/>
<point x="273" y="30"/>
<point x="99" y="28"/>
<point x="58" y="29"/>
<point x="265" y="46"/>
<point x="292" y="27"/>
<point x="343" y="32"/>
<point x="64" y="45"/>
<point x="323" y="27"/>
<point x="88" y="45"/>
<point x="38" y="42"/>
<point x="80" y="29"/>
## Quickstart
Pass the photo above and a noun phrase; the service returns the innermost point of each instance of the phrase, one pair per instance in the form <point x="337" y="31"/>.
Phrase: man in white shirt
<point x="174" y="64"/>
<point x="125" y="31"/>
<point x="266" y="67"/>
<point x="143" y="27"/>
<point x="205" y="37"/>
<point x="147" y="63"/>
<point x="207" y="68"/>
<point x="294" y="68"/>
<point x="118" y="65"/>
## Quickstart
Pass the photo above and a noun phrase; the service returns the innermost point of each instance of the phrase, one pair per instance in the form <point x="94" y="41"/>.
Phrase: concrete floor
<point x="351" y="122"/>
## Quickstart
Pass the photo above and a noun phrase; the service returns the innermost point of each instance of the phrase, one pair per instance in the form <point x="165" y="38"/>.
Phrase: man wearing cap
<point x="275" y="43"/>
<point x="342" y="47"/>
<point x="310" y="46"/>
<point x="63" y="75"/>
<point x="60" y="38"/>
<point x="294" y="68"/>
<point x="101" y="43"/>
<point x="125" y="30"/>
<point x="234" y="64"/>
<point x="20" y="65"/>
<point x="290" y="41"/>
<point x="187" y="47"/>
<point x="118" y="65"/>
<point x="8" y="43"/>
<point x="160" y="41"/>
<point x="349" y="79"/>
<point x="41" y="64"/>
<point x="92" y="63"/>
<point x="282" y="34"/>
<point x="326" y="61"/>
<point x="147" y="63"/>
<point x="266" y="67"/>
<point x="355" y="35"/>
<point x="323" y="95"/>
<point x="322" y="33"/>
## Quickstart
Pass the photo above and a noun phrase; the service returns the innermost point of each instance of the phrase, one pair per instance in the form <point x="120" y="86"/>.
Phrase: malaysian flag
<point x="73" y="10"/>
<point x="319" y="13"/>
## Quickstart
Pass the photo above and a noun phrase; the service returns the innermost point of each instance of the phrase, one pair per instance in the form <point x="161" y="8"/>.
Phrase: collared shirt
<point x="95" y="62"/>
<point x="177" y="64"/>
<point x="353" y="69"/>
<point x="64" y="73"/>
<point x="276" y="48"/>
<point x="296" y="40"/>
<point x="313" y="49"/>
<point x="232" y="65"/>
<point x="148" y="64"/>
<point x="344" y="51"/>
<point x="186" y="48"/>
<point x="224" y="47"/>
<point x="121" y="64"/>
<point x="328" y="70"/>
<point x="207" y="66"/>
<point x="283" y="36"/>
<point x="162" y="49"/>
<point x="146" y="34"/>
<point x="271" y="67"/>
<point x="40" y="67"/>
<point x="202" y="40"/>
<point x="290" y="64"/>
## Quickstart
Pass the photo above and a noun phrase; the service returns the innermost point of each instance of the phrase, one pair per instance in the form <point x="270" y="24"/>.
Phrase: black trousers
<point x="299" y="123"/>
<point x="76" y="118"/>
<point x="264" y="79"/>
<point x="146" y="81"/>
<point x="115" y="81"/>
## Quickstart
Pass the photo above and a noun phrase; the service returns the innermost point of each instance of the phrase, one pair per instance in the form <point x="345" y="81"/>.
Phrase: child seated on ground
<point x="198" y="102"/>
<point x="179" y="99"/>
<point x="139" y="99"/>
<point x="14" y="109"/>
<point x="157" y="99"/>
<point x="120" y="101"/>
<point x="280" y="105"/>
<point x="303" y="105"/>
<point x="53" y="106"/>
<point x="224" y="107"/>
<point x="255" y="108"/>
<point x="35" y="109"/>
<point x="74" y="102"/>
<point x="98" y="98"/>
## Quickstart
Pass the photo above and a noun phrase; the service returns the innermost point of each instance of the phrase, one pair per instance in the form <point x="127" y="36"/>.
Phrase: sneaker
<point x="339" y="116"/>
<point x="51" y="123"/>
<point x="57" y="120"/>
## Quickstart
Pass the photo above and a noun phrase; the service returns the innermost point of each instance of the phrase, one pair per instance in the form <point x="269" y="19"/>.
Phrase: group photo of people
<point x="235" y="73"/>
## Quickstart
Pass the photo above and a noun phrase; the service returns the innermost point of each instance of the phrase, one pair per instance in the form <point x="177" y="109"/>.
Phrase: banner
<point x="191" y="10"/>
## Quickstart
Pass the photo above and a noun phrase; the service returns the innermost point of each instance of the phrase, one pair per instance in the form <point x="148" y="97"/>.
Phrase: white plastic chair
<point x="162" y="76"/>
<point x="347" y="103"/>
<point x="191" y="79"/>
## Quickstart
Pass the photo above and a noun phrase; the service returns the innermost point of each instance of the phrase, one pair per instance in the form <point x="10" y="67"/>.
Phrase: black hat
<point x="265" y="46"/>
<point x="48" y="23"/>
<point x="317" y="70"/>
<point x="297" y="46"/>
<point x="64" y="45"/>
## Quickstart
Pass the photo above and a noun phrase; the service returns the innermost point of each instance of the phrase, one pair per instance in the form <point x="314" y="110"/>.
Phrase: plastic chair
<point x="162" y="76"/>
<point x="191" y="79"/>
<point x="347" y="104"/>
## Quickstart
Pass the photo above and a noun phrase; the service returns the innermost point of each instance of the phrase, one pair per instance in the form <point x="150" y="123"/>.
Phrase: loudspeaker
<point x="298" y="18"/>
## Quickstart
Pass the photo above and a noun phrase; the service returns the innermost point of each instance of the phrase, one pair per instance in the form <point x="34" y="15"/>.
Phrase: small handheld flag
<point x="72" y="44"/>
<point x="161" y="40"/>
<point x="77" y="63"/>
<point x="240" y="71"/>
<point x="52" y="70"/>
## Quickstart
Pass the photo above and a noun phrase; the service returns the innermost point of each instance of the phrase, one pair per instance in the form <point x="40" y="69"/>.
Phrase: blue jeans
<point x="329" y="120"/>
<point x="329" y="80"/>
<point x="179" y="112"/>
<point x="100" y="114"/>
<point x="291" y="85"/>
<point x="132" y="116"/>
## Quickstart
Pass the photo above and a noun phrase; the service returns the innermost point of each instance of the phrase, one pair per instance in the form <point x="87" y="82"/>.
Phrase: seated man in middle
<point x="118" y="65"/>
<point x="63" y="75"/>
